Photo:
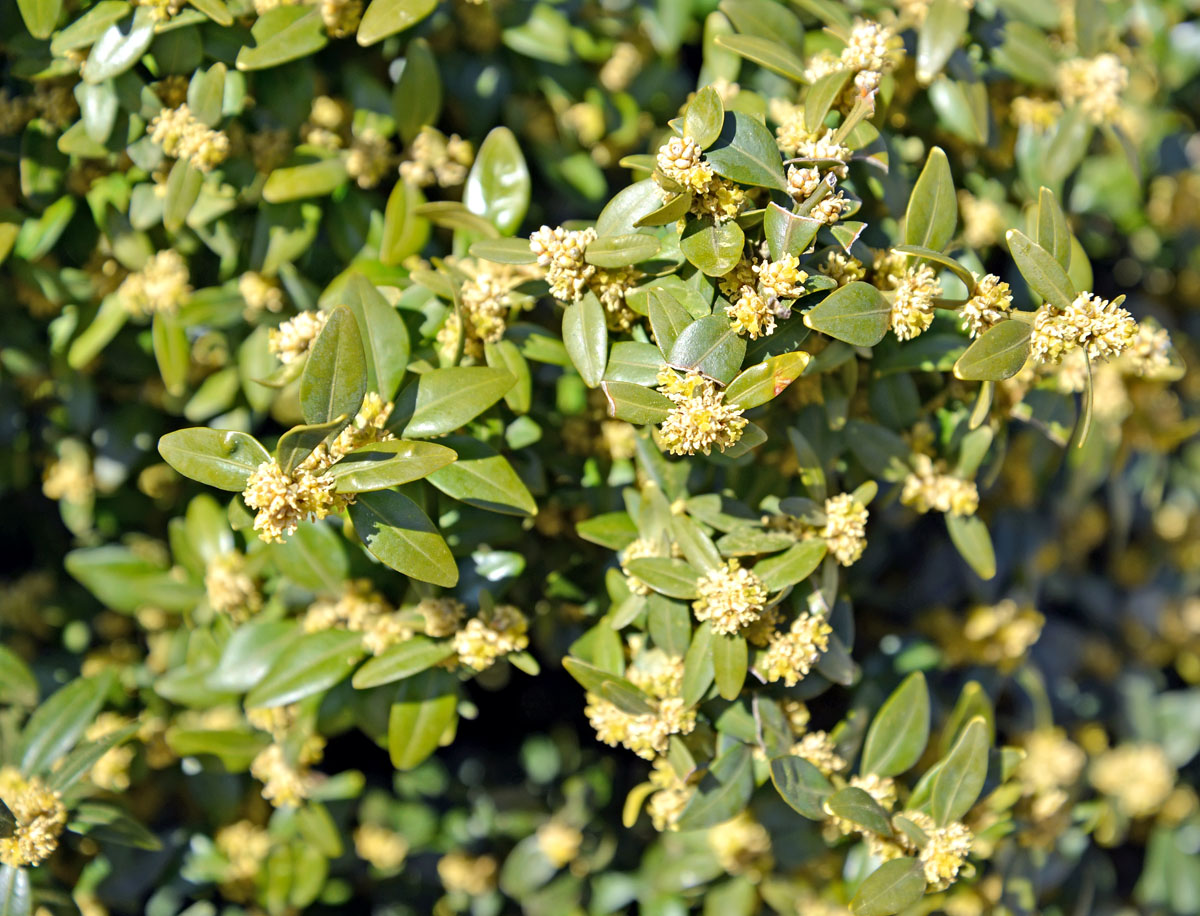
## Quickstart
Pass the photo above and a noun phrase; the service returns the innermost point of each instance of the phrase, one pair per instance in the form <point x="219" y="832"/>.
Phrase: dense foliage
<point x="586" y="458"/>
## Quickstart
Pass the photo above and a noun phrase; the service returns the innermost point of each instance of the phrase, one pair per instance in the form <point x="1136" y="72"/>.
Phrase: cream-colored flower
<point x="285" y="784"/>
<point x="1100" y="326"/>
<point x="681" y="160"/>
<point x="465" y="874"/>
<point x="637" y="549"/>
<point x="983" y="221"/>
<point x="40" y="817"/>
<point x="945" y="850"/>
<point x="819" y="750"/>
<point x="160" y="286"/>
<point x="845" y="529"/>
<point x="928" y="489"/>
<point x="912" y="302"/>
<point x="742" y="846"/>
<point x="284" y="501"/>
<point x="559" y="842"/>
<point x="790" y="656"/>
<point x="341" y="17"/>
<point x="560" y="252"/>
<point x="262" y="294"/>
<point x="989" y="306"/>
<point x="382" y="848"/>
<point x="802" y="182"/>
<point x="729" y="597"/>
<point x="230" y="589"/>
<point x="842" y="267"/>
<point x="369" y="157"/>
<point x="672" y="794"/>
<point x="1138" y="777"/>
<point x="437" y="159"/>
<point x="111" y="771"/>
<point x="292" y="339"/>
<point x="490" y="636"/>
<point x="245" y="846"/>
<point x="1095" y="84"/>
<point x="442" y="616"/>
<point x="183" y="136"/>
<point x="700" y="418"/>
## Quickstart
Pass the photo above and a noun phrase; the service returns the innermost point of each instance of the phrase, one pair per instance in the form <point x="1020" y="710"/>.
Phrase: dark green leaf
<point x="171" y="351"/>
<point x="119" y="47"/>
<point x="334" y="380"/>
<point x="621" y="250"/>
<point x="892" y="887"/>
<point x="404" y="660"/>
<point x="634" y="403"/>
<point x="715" y="248"/>
<point x="698" y="669"/>
<point x="794" y="565"/>
<point x="820" y="98"/>
<point x="933" y="207"/>
<point x="668" y="318"/>
<point x="585" y="335"/>
<point x="283" y="34"/>
<point x="940" y="34"/>
<point x="670" y="577"/>
<point x="1053" y="234"/>
<point x="299" y="442"/>
<point x="218" y="458"/>
<point x="313" y="663"/>
<point x="401" y="536"/>
<point x="961" y="774"/>
<point x="730" y="662"/>
<point x="387" y="17"/>
<point x="704" y="116"/>
<point x="766" y="380"/>
<point x="383" y="333"/>
<point x="443" y="400"/>
<point x="61" y="720"/>
<point x="998" y="353"/>
<point x="857" y="313"/>
<point x="417" y="96"/>
<point x="788" y="233"/>
<point x="634" y="361"/>
<point x="380" y="465"/>
<point x="970" y="537"/>
<point x="1041" y="271"/>
<point x="484" y="478"/>
<point x="711" y="346"/>
<point x="251" y="651"/>
<point x="900" y="730"/>
<point x="746" y="152"/>
<point x="857" y="806"/>
<point x="503" y="251"/>
<point x="766" y="52"/>
<point x="724" y="793"/>
<point x="498" y="185"/>
<point x="623" y="693"/>
<point x="801" y="785"/>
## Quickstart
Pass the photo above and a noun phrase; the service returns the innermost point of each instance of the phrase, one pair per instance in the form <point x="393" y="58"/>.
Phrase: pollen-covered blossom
<point x="291" y="340"/>
<point x="40" y="817"/>
<point x="560" y="252"/>
<point x="277" y="721"/>
<point x="672" y="794"/>
<point x="162" y="10"/>
<point x="341" y="17"/>
<point x="1138" y="777"/>
<point x="842" y="267"/>
<point x="742" y="846"/>
<point x="700" y="418"/>
<point x="988" y="307"/>
<point x="559" y="842"/>
<point x="285" y="784"/>
<point x="442" y="616"/>
<point x="111" y="771"/>
<point x="756" y="307"/>
<point x="465" y="874"/>
<point x="928" y="489"/>
<point x="1149" y="355"/>
<point x="983" y="220"/>
<point x="1095" y="84"/>
<point x="261" y="294"/>
<point x="638" y="549"/>
<point x="15" y="113"/>
<point x="369" y="425"/>
<point x="160" y="286"/>
<point x="354" y="609"/>
<point x="487" y="301"/>
<point x="1051" y="766"/>
<point x="183" y="136"/>
<point x="284" y="501"/>
<point x="1038" y="114"/>
<point x="69" y="478"/>
<point x="845" y="529"/>
<point x="245" y="846"/>
<point x="230" y="588"/>
<point x="1100" y="326"/>
<point x="802" y="183"/>
<point x="880" y="788"/>
<point x="382" y="848"/>
<point x="912" y="302"/>
<point x="646" y="734"/>
<point x="730" y="597"/>
<point x="792" y="654"/>
<point x="819" y="750"/>
<point x="871" y="46"/>
<point x="491" y="635"/>
<point x="944" y="851"/>
<point x="369" y="158"/>
<point x="623" y="64"/>
<point x="437" y="159"/>
<point x="681" y="160"/>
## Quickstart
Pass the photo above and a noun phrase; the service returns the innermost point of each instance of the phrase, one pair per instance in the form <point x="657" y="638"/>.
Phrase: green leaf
<point x="715" y="248"/>
<point x="87" y="28"/>
<point x="251" y="651"/>
<point x="857" y="805"/>
<point x="940" y="34"/>
<point x="1067" y="145"/>
<point x="283" y="34"/>
<point x="970" y="537"/>
<point x="184" y="183"/>
<point x="932" y="212"/>
<point x="41" y="16"/>
<point x="119" y="47"/>
<point x="1053" y="234"/>
<point x="503" y="251"/>
<point x="942" y="260"/>
<point x="621" y="250"/>
<point x="767" y="19"/>
<point x="404" y="660"/>
<point x="766" y="52"/>
<point x="56" y="725"/>
<point x="801" y="785"/>
<point x="313" y="179"/>
<point x="387" y="17"/>
<point x="313" y="663"/>
<point x="417" y="96"/>
<point x="218" y="458"/>
<point x="672" y="210"/>
<point x="1044" y="275"/>
<point x="300" y="441"/>
<point x="444" y="400"/>
<point x="973" y="702"/>
<point x="384" y="335"/>
<point x="857" y="313"/>
<point x="961" y="774"/>
<point x="404" y="233"/>
<point x="616" y="689"/>
<point x="698" y="668"/>
<point x="793" y="565"/>
<point x="751" y="542"/>
<point x="723" y="793"/>
<point x="401" y="536"/>
<point x="106" y="822"/>
<point x="16" y="897"/>
<point x="746" y="152"/>
<point x="704" y="116"/>
<point x="820" y="98"/>
<point x="506" y="355"/>
<point x="234" y="747"/>
<point x="585" y="335"/>
<point x="670" y="577"/>
<point x="313" y="558"/>
<point x="18" y="686"/>
<point x="498" y="185"/>
<point x="614" y="530"/>
<point x="482" y="477"/>
<point x="900" y="730"/>
<point x="334" y="380"/>
<point x="80" y="761"/>
<point x="998" y="353"/>
<point x="731" y="659"/>
<point x="892" y="887"/>
<point x="668" y="318"/>
<point x="788" y="233"/>
<point x="206" y="94"/>
<point x="171" y="351"/>
<point x="766" y="380"/>
<point x="712" y="346"/>
<point x="380" y="465"/>
<point x="635" y="403"/>
<point x="634" y="361"/>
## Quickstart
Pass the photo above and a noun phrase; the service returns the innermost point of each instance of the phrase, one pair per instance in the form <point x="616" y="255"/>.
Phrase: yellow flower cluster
<point x="623" y="64"/>
<point x="341" y="17"/>
<point x="369" y="157"/>
<point x="742" y="846"/>
<point x="672" y="794"/>
<point x="983" y="221"/>
<point x="700" y="418"/>
<point x="559" y="842"/>
<point x="1101" y="327"/>
<point x="845" y="528"/>
<point x="880" y="788"/>
<point x="646" y="734"/>
<point x="361" y="609"/>
<point x="1149" y="355"/>
<point x="70" y="479"/>
<point x="487" y="301"/>
<point x="819" y="750"/>
<point x="442" y="616"/>
<point x="757" y="306"/>
<point x="162" y="10"/>
<point x="870" y="47"/>
<point x="261" y="294"/>
<point x="945" y="850"/>
<point x="560" y="252"/>
<point x="1037" y="114"/>
<point x="111" y="771"/>
<point x="291" y="340"/>
<point x="160" y="286"/>
<point x="638" y="549"/>
<point x="1051" y="766"/>
<point x="286" y="784"/>
<point x="996" y="635"/>
<point x="40" y="816"/>
<point x="988" y="307"/>
<point x="842" y="267"/>
<point x="1095" y="84"/>
<point x="245" y="846"/>
<point x="916" y="10"/>
<point x="283" y="501"/>
<point x="1138" y="777"/>
<point x="230" y="589"/>
<point x="927" y="488"/>
<point x="792" y="654"/>
<point x="384" y="849"/>
<point x="434" y="158"/>
<point x="368" y="425"/>
<point x="912" y="301"/>
<point x="465" y="874"/>
<point x="681" y="164"/>
<point x="730" y="598"/>
<point x="491" y="635"/>
<point x="183" y="136"/>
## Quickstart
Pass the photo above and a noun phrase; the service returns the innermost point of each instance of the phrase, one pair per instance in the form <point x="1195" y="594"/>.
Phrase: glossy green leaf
<point x="251" y="651"/>
<point x="1053" y="234"/>
<point x="314" y="557"/>
<point x="383" y="332"/>
<point x="724" y="793"/>
<point x="715" y="248"/>
<point x="942" y="260"/>
<point x="635" y="403"/>
<point x="585" y="335"/>
<point x="380" y="465"/>
<point x="820" y="98"/>
<point x="766" y="52"/>
<point x="857" y="806"/>
<point x="766" y="380"/>
<point x="119" y="47"/>
<point x="711" y="346"/>
<point x="401" y="536"/>
<point x="218" y="458"/>
<point x="334" y="380"/>
<point x="484" y="478"/>
<point x="767" y="19"/>
<point x="698" y="669"/>
<point x="444" y="400"/>
<point x="670" y="577"/>
<point x="404" y="660"/>
<point x="892" y="887"/>
<point x="746" y="152"/>
<point x="938" y="37"/>
<point x="788" y="233"/>
<point x="498" y="185"/>
<point x="793" y="565"/>
<point x="801" y="785"/>
<point x="16" y="896"/>
<point x="618" y="690"/>
<point x="900" y="730"/>
<point x="313" y="179"/>
<point x="60" y="721"/>
<point x="634" y="361"/>
<point x="731" y="660"/>
<point x="172" y="351"/>
<point x="1041" y="271"/>
<point x="857" y="313"/>
<point x="970" y="537"/>
<point x="668" y="318"/>
<point x="998" y="353"/>
<point x="932" y="213"/>
<point x="503" y="251"/>
<point x="387" y="17"/>
<point x="404" y="233"/>
<point x="506" y="355"/>
<point x="301" y="441"/>
<point x="704" y="116"/>
<point x="184" y="183"/>
<point x="283" y="34"/>
<point x="621" y="250"/>
<point x="73" y="767"/>
<point x="961" y="774"/>
<point x="425" y="708"/>
<point x="313" y="663"/>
